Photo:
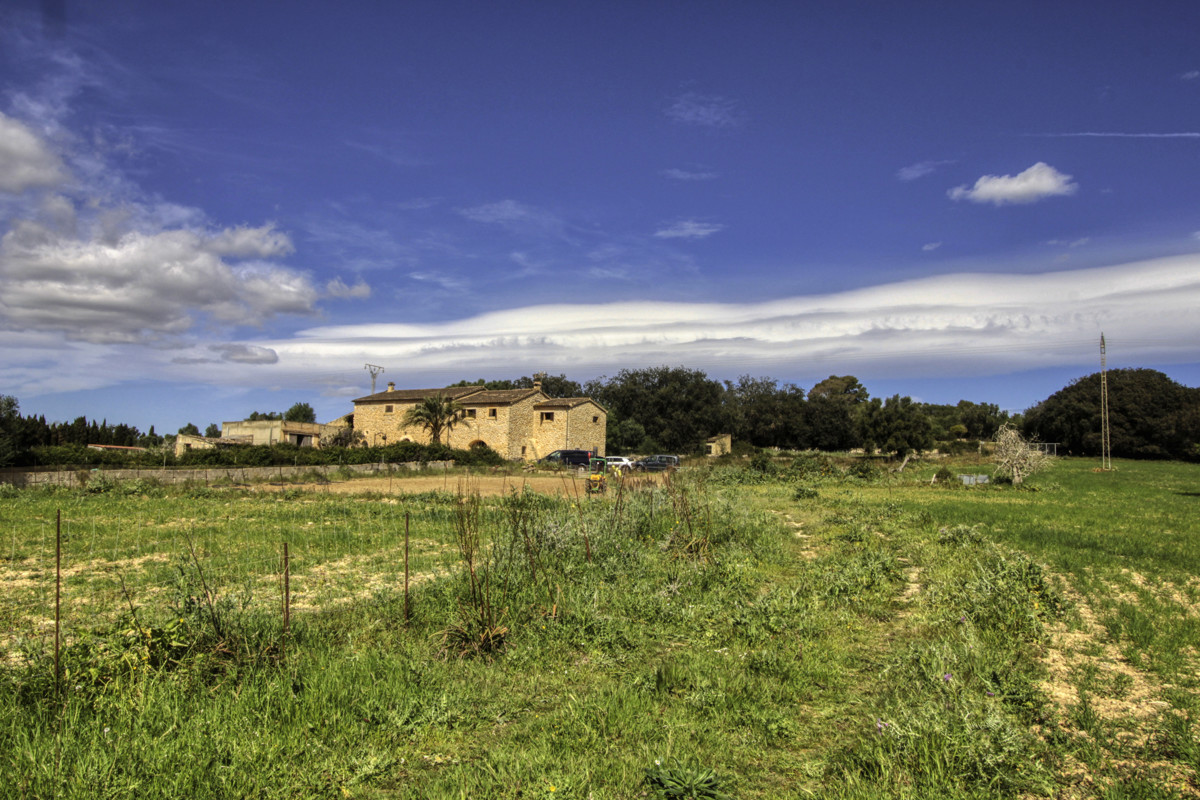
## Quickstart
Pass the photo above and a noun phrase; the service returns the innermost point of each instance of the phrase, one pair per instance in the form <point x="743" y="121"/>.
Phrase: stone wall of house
<point x="586" y="428"/>
<point x="522" y="425"/>
<point x="495" y="431"/>
<point x="375" y="421"/>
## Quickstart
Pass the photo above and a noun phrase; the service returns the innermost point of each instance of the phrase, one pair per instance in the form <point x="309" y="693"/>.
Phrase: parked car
<point x="568" y="458"/>
<point x="619" y="462"/>
<point x="657" y="463"/>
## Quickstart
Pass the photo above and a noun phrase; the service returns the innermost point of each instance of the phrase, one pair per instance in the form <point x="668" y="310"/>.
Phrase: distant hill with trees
<point x="1150" y="416"/>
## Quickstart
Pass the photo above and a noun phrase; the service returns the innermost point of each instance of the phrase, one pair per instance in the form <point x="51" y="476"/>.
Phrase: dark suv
<point x="568" y="458"/>
<point x="657" y="463"/>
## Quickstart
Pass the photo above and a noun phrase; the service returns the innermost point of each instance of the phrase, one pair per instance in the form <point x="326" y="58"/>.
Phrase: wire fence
<point x="83" y="569"/>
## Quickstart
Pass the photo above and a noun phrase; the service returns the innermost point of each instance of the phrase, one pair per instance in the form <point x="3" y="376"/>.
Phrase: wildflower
<point x="991" y="694"/>
<point x="947" y="677"/>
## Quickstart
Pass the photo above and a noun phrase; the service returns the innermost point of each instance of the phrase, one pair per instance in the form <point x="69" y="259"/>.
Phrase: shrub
<point x="761" y="462"/>
<point x="805" y="493"/>
<point x="864" y="470"/>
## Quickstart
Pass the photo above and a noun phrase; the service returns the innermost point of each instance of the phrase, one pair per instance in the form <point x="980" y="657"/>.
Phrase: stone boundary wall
<point x="68" y="476"/>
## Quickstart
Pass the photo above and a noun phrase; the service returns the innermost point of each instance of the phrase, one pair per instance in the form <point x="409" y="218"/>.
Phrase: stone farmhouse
<point x="519" y="424"/>
<point x="248" y="432"/>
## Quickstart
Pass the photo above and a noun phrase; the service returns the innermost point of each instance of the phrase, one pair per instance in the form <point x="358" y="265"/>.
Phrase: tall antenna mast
<point x="1105" y="440"/>
<point x="374" y="369"/>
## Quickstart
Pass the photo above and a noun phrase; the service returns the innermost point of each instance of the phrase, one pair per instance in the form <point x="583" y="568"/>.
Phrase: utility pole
<point x="1105" y="440"/>
<point x="374" y="369"/>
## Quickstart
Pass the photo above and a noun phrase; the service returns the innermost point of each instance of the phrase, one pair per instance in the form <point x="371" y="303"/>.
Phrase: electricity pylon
<point x="1105" y="440"/>
<point x="374" y="369"/>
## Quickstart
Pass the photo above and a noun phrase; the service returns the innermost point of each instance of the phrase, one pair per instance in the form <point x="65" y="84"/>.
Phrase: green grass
<point x="798" y="633"/>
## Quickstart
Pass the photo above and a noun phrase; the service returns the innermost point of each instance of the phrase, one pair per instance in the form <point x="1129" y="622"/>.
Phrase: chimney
<point x="391" y="386"/>
<point x="537" y="381"/>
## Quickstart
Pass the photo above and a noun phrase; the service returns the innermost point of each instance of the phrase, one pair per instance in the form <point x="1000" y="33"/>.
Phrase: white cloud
<point x="1121" y="135"/>
<point x="243" y="242"/>
<point x="246" y="353"/>
<point x="449" y="283"/>
<point x="338" y="288"/>
<point x="99" y="263"/>
<point x="516" y="217"/>
<point x="26" y="161"/>
<point x="505" y="211"/>
<point x="919" y="170"/>
<point x="931" y="246"/>
<point x="138" y="288"/>
<point x="689" y="174"/>
<point x="689" y="229"/>
<point x="1036" y="183"/>
<point x="706" y="111"/>
<point x="946" y="325"/>
<point x="1080" y="242"/>
<point x="1190" y="75"/>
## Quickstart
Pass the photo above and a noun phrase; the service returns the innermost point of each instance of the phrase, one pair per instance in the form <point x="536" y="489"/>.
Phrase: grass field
<point x="794" y="632"/>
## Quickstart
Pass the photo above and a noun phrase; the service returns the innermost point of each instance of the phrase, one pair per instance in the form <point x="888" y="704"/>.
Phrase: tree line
<point x="676" y="409"/>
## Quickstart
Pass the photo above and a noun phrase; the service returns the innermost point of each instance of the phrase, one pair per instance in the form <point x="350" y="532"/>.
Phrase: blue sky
<point x="208" y="212"/>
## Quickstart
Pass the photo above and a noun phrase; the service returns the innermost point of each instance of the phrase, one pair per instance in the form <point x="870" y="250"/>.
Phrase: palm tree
<point x="436" y="413"/>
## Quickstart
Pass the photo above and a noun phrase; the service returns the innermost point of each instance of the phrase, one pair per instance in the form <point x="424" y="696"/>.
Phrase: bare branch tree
<point x="1017" y="458"/>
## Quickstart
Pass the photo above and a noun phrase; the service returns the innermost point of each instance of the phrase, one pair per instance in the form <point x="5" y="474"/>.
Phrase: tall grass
<point x="718" y="636"/>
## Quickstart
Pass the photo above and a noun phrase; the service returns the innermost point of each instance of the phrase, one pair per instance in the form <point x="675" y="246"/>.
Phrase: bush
<point x="864" y="470"/>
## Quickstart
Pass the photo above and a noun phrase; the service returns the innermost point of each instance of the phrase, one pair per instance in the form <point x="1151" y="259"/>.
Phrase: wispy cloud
<point x="920" y="169"/>
<point x="1080" y="242"/>
<point x="983" y="323"/>
<point x="338" y="288"/>
<point x="931" y="246"/>
<point x="1190" y="75"/>
<point x="689" y="174"/>
<point x="689" y="229"/>
<point x="392" y="155"/>
<point x="706" y="111"/>
<point x="516" y="217"/>
<point x="1036" y="183"/>
<point x="1121" y="135"/>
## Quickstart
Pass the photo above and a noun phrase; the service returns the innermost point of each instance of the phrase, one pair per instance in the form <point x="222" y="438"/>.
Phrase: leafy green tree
<point x="897" y="426"/>
<point x="678" y="408"/>
<point x="345" y="436"/>
<point x="840" y="387"/>
<point x="982" y="420"/>
<point x="624" y="435"/>
<point x="213" y="431"/>
<point x="264" y="416"/>
<point x="10" y="429"/>
<point x="832" y="413"/>
<point x="765" y="414"/>
<point x="300" y="412"/>
<point x="189" y="430"/>
<point x="552" y="385"/>
<point x="437" y="414"/>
